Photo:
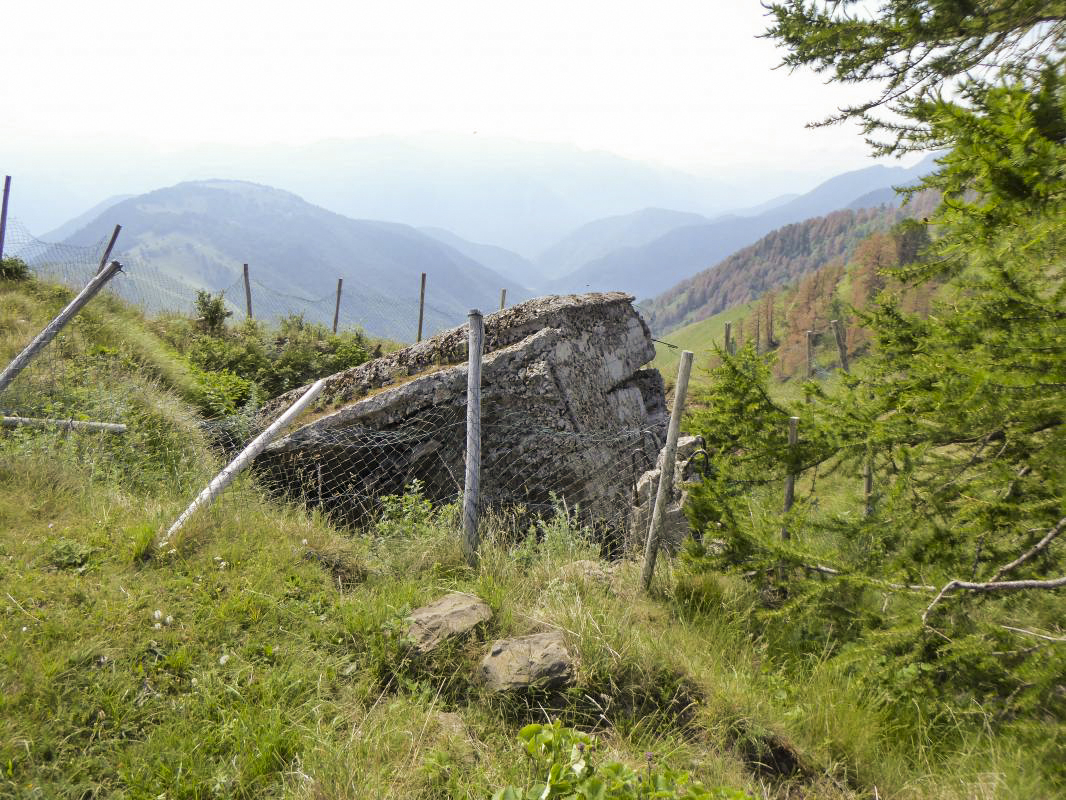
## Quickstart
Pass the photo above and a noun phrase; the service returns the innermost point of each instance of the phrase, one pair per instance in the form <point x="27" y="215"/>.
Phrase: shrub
<point x="14" y="269"/>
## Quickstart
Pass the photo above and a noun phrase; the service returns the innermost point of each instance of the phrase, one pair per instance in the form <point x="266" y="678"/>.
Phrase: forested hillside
<point x="779" y="258"/>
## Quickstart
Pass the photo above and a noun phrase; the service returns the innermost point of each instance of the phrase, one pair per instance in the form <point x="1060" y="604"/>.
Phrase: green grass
<point x="699" y="337"/>
<point x="275" y="666"/>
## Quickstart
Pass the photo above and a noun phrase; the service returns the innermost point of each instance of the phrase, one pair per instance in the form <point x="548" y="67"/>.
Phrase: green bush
<point x="564" y="763"/>
<point x="14" y="269"/>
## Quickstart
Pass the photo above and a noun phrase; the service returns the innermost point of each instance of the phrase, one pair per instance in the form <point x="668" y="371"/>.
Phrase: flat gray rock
<point x="453" y="615"/>
<point x="539" y="661"/>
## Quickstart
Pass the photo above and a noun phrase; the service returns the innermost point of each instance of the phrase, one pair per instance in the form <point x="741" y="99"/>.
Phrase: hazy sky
<point x="682" y="82"/>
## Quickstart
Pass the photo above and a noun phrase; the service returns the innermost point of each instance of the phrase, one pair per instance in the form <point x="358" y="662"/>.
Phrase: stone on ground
<point x="453" y="615"/>
<point x="539" y="661"/>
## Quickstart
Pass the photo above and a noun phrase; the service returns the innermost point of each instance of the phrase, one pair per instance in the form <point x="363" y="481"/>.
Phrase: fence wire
<point x="534" y="465"/>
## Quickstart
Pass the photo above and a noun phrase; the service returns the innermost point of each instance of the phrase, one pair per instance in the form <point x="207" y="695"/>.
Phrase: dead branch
<point x="993" y="586"/>
<point x="1032" y="551"/>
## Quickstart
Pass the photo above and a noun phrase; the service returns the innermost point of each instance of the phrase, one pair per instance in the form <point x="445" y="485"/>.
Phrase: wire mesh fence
<point x="533" y="464"/>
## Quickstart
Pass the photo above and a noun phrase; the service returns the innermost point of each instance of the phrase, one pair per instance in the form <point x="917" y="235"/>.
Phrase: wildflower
<point x="157" y="615"/>
<point x="169" y="620"/>
<point x="222" y="661"/>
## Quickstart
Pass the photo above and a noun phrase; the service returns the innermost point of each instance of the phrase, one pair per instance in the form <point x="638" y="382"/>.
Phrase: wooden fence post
<point x="810" y="354"/>
<point x="108" y="249"/>
<point x="337" y="308"/>
<point x="729" y="338"/>
<point x="56" y="325"/>
<point x="503" y="299"/>
<point x="842" y="348"/>
<point x="247" y="293"/>
<point x="247" y="455"/>
<point x="421" y="306"/>
<point x="3" y="213"/>
<point x="758" y="338"/>
<point x="666" y="475"/>
<point x="473" y="437"/>
<point x="790" y="479"/>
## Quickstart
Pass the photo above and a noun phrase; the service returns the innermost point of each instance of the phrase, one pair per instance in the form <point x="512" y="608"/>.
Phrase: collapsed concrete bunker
<point x="570" y="416"/>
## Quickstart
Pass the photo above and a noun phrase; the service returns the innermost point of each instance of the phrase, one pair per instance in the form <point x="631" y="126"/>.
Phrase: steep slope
<point x="201" y="232"/>
<point x="598" y="238"/>
<point x="499" y="259"/>
<point x="648" y="269"/>
<point x="778" y="258"/>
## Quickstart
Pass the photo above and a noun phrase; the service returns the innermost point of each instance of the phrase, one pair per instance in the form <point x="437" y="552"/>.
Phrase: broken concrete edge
<point x="446" y="349"/>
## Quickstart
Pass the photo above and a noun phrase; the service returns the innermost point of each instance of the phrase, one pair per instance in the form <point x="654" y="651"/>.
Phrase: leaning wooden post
<point x="237" y="465"/>
<point x="790" y="479"/>
<point x="421" y="306"/>
<point x="337" y="308"/>
<point x="247" y="293"/>
<point x="503" y="299"/>
<point x="842" y="348"/>
<point x="729" y="338"/>
<point x="108" y="249"/>
<point x="473" y="437"/>
<point x="3" y="213"/>
<point x="56" y="325"/>
<point x="666" y="475"/>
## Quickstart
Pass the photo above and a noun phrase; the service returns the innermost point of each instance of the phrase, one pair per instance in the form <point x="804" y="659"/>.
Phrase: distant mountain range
<point x="644" y="270"/>
<point x="200" y="233"/>
<point x="603" y="236"/>
<point x="506" y="262"/>
<point x="779" y="258"/>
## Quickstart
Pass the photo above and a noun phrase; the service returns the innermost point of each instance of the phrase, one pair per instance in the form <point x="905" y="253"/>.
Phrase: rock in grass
<point x="539" y="661"/>
<point x="585" y="569"/>
<point x="452" y="615"/>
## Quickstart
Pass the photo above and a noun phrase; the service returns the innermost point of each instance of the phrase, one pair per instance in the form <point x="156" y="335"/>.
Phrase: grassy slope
<point x="699" y="337"/>
<point x="275" y="666"/>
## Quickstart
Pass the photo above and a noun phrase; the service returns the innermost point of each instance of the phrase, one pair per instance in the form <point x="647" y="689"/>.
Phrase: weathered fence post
<point x="842" y="348"/>
<point x="247" y="455"/>
<point x="729" y="338"/>
<point x="473" y="437"/>
<point x="108" y="249"/>
<point x="503" y="299"/>
<point x="790" y="479"/>
<point x="758" y="338"/>
<point x="421" y="306"/>
<point x="810" y="354"/>
<point x="337" y="308"/>
<point x="62" y="424"/>
<point x="57" y="324"/>
<point x="247" y="293"/>
<point x="666" y="475"/>
<point x="3" y="213"/>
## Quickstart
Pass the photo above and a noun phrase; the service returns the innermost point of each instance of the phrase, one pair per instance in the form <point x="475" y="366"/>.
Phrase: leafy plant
<point x="565" y="765"/>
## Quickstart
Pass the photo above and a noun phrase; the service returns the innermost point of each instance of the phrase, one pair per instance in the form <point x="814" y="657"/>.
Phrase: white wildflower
<point x="157" y="615"/>
<point x="222" y="661"/>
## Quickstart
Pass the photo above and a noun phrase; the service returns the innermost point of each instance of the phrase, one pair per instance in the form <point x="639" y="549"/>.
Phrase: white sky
<point x="680" y="82"/>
